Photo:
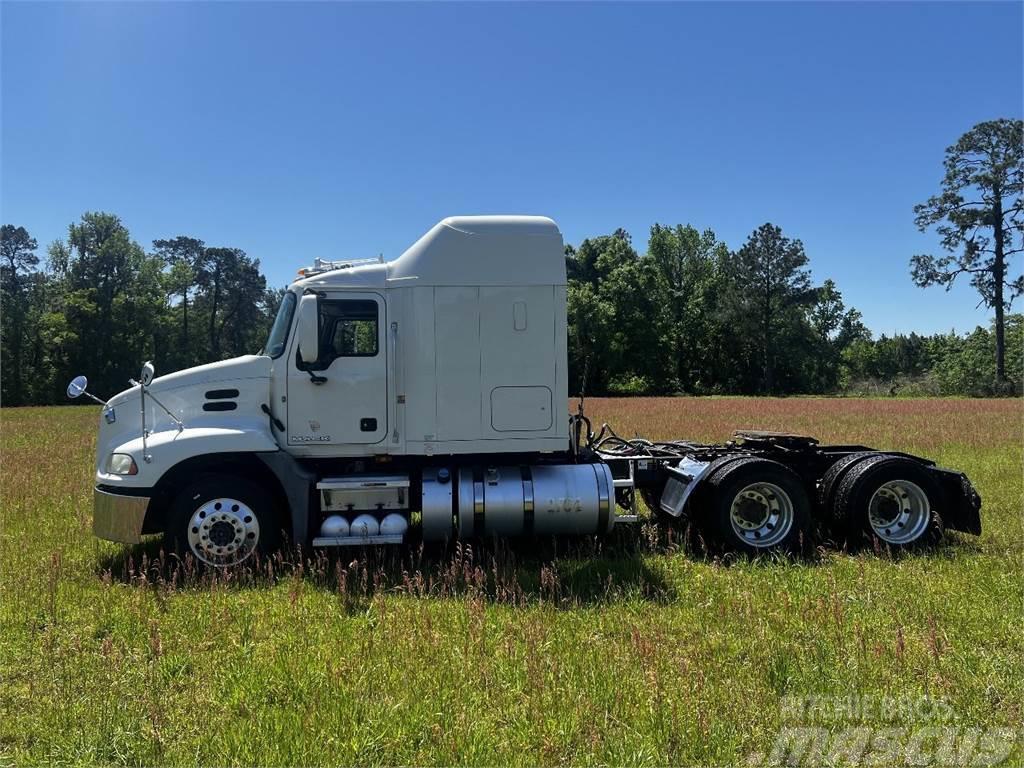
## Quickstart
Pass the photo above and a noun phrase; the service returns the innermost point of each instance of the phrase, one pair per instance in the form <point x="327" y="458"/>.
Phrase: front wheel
<point x="222" y="520"/>
<point x="757" y="505"/>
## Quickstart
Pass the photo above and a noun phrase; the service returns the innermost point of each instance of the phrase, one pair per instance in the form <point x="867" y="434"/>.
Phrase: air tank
<point x="365" y="525"/>
<point x="334" y="527"/>
<point x="394" y="525"/>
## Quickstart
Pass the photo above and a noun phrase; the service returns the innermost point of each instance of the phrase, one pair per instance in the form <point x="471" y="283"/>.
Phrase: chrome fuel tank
<point x="542" y="499"/>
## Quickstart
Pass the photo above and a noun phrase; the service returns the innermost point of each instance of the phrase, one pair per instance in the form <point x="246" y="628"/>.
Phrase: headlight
<point x="121" y="464"/>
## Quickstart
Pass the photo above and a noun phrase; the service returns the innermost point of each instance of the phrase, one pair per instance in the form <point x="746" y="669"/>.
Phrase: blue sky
<point x="347" y="130"/>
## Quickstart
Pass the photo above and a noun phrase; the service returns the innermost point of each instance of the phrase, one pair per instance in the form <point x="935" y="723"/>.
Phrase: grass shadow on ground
<point x="562" y="571"/>
<point x="565" y="572"/>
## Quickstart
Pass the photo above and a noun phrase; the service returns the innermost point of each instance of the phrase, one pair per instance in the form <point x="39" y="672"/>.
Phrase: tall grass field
<point x="636" y="649"/>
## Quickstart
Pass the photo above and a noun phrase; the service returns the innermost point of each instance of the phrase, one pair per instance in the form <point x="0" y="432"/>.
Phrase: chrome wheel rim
<point x="223" y="532"/>
<point x="899" y="512"/>
<point x="761" y="514"/>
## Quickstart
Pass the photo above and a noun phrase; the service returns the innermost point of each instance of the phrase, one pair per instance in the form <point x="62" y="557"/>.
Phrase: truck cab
<point x="379" y="380"/>
<point x="455" y="347"/>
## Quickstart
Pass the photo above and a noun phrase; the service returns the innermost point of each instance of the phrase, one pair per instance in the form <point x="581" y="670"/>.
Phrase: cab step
<point x="358" y="541"/>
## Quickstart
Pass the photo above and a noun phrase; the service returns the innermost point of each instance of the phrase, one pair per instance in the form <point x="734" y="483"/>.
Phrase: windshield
<point x="283" y="321"/>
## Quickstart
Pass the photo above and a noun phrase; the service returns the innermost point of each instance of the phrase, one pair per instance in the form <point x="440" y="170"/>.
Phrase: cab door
<point x="342" y="398"/>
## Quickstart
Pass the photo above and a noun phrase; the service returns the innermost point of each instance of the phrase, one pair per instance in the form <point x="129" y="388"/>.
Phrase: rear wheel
<point x="833" y="477"/>
<point x="222" y="520"/>
<point x="757" y="505"/>
<point x="891" y="499"/>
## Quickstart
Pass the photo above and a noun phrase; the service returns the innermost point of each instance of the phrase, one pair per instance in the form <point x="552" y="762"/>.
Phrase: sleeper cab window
<point x="348" y="328"/>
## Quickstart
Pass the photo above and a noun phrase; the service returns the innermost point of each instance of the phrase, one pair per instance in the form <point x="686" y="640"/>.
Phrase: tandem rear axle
<point x="774" y="490"/>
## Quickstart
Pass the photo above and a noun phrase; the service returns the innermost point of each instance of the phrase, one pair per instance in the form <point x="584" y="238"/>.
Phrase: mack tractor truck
<point x="425" y="398"/>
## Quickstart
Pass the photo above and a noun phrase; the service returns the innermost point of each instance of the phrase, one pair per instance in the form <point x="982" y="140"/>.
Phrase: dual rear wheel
<point x="884" y="499"/>
<point x="757" y="505"/>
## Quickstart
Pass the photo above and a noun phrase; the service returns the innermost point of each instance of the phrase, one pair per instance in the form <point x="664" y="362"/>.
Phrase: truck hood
<point x="235" y="369"/>
<point x="219" y="403"/>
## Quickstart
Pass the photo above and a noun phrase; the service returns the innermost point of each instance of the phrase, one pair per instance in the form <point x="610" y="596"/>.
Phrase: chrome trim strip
<point x="478" y="507"/>
<point x="528" y="504"/>
<point x="603" y="497"/>
<point x="478" y="498"/>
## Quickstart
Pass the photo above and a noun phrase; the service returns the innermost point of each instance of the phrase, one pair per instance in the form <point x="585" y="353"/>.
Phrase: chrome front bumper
<point x="118" y="518"/>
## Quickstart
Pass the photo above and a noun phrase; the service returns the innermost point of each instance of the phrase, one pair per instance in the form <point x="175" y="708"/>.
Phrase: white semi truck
<point x="426" y="398"/>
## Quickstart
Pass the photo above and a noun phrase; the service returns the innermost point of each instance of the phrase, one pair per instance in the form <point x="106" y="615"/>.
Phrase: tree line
<point x="103" y="304"/>
<point x="688" y="315"/>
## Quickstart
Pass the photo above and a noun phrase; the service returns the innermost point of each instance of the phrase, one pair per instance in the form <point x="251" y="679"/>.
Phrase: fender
<point x="167" y="448"/>
<point x="686" y="477"/>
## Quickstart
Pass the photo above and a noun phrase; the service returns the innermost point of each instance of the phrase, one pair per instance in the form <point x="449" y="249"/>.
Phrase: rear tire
<point x="891" y="500"/>
<point x="757" y="505"/>
<point x="222" y="520"/>
<point x="832" y="478"/>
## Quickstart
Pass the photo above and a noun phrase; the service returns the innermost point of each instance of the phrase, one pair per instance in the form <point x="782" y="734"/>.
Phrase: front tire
<point x="222" y="520"/>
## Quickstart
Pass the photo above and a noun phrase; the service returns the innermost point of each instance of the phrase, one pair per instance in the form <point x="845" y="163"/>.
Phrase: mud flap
<point x="962" y="512"/>
<point x="685" y="478"/>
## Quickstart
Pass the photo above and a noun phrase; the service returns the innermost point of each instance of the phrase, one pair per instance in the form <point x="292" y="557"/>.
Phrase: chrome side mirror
<point x="308" y="329"/>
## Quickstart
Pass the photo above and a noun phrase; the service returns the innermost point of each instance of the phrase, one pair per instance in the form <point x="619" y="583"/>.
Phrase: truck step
<point x="364" y="492"/>
<point x="357" y="541"/>
<point x="363" y="482"/>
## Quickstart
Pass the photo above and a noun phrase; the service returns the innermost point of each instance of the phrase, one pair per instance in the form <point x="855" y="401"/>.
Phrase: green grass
<point x="630" y="651"/>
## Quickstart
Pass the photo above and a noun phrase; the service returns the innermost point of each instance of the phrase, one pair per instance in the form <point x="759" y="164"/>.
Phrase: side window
<point x="348" y="328"/>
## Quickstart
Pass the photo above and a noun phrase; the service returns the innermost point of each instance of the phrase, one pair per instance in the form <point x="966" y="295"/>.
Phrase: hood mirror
<point x="145" y="379"/>
<point x="77" y="388"/>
